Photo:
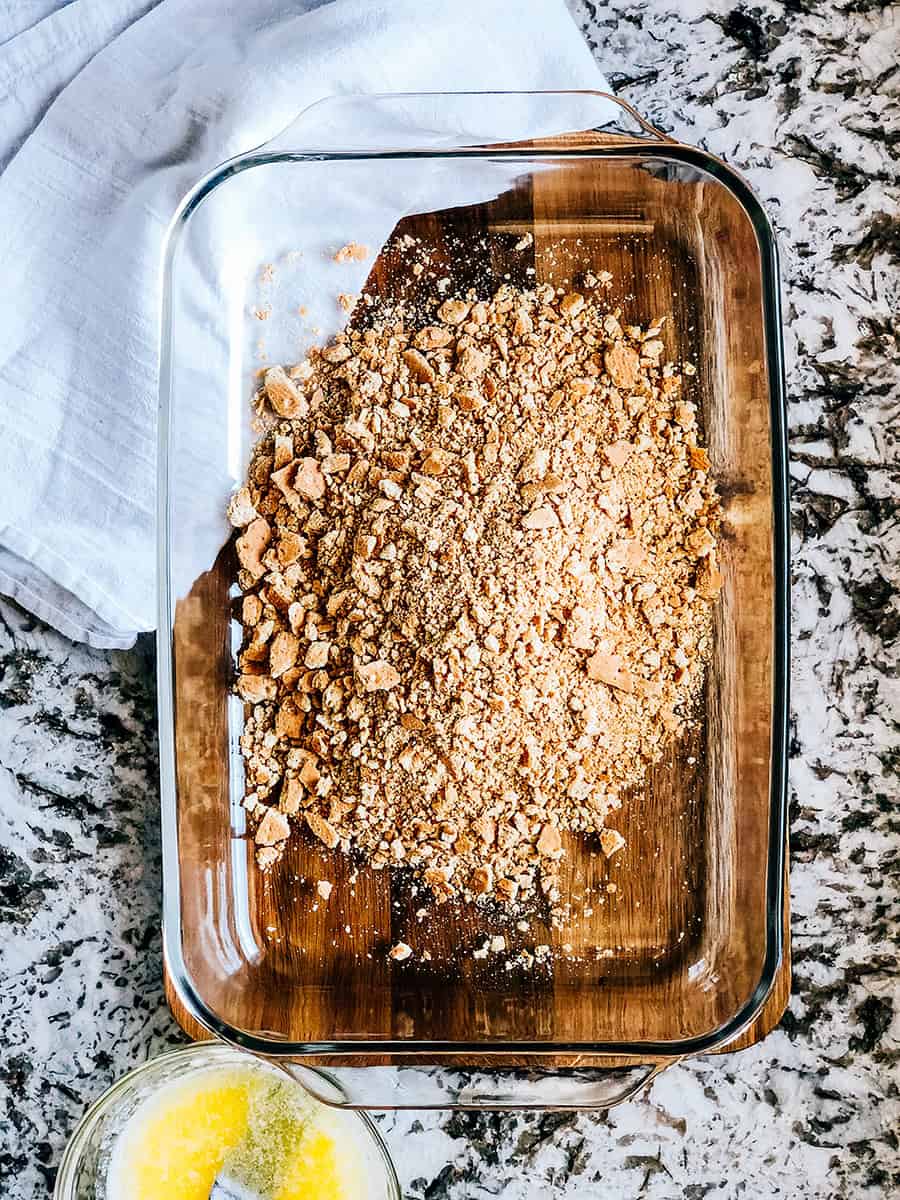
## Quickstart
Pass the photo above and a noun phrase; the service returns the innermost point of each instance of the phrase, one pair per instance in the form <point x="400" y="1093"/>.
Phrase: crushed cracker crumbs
<point x="478" y="565"/>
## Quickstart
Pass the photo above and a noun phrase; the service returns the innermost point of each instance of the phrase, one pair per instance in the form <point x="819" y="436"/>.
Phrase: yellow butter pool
<point x="259" y="1125"/>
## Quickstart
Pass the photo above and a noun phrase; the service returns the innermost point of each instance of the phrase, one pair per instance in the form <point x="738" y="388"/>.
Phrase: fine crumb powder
<point x="478" y="559"/>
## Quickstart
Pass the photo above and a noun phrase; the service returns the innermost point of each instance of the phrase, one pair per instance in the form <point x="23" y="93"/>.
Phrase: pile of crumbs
<point x="478" y="565"/>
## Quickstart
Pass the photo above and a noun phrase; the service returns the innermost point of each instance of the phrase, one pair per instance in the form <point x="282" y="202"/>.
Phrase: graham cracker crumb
<point x="611" y="841"/>
<point x="352" y="252"/>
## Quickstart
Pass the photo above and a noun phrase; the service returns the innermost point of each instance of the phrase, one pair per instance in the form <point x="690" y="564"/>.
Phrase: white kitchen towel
<point x="144" y="98"/>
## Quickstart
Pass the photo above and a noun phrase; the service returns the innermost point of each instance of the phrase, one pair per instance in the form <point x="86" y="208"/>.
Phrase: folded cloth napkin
<point x="111" y="110"/>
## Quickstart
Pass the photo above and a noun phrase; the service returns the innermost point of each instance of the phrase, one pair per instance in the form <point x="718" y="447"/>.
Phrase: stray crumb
<point x="400" y="952"/>
<point x="352" y="252"/>
<point x="526" y="240"/>
<point x="611" y="842"/>
<point x="324" y="887"/>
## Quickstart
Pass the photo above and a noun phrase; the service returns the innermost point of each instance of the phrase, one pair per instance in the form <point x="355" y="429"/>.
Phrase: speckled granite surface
<point x="802" y="96"/>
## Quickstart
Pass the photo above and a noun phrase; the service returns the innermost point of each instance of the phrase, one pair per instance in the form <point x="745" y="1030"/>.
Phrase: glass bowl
<point x="86" y="1160"/>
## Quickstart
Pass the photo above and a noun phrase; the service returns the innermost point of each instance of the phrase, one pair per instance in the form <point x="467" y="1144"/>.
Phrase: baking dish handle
<point x="439" y="1087"/>
<point x="645" y="125"/>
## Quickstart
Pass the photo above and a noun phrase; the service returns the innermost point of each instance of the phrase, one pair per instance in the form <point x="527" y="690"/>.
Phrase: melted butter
<point x="268" y="1133"/>
<point x="314" y="1172"/>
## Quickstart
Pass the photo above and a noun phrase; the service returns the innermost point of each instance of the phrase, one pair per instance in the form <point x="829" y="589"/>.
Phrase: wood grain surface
<point x="766" y="1020"/>
<point x="675" y="943"/>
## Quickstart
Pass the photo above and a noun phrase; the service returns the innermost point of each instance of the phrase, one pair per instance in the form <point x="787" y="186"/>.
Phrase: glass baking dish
<point x="685" y="956"/>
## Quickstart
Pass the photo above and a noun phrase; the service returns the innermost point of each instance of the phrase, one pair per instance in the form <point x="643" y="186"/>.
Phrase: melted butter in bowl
<point x="253" y="1124"/>
<point x="208" y="1116"/>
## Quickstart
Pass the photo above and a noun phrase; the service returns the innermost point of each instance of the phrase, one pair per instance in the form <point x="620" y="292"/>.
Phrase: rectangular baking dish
<point x="682" y="956"/>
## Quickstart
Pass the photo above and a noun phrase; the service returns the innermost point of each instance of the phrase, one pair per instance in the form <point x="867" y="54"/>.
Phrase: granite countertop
<point x="803" y="97"/>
